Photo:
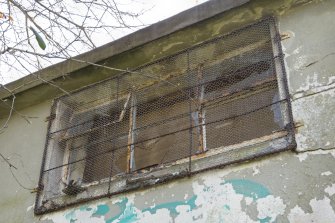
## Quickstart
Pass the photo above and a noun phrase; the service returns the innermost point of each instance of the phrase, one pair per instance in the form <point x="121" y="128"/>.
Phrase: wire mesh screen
<point x="217" y="94"/>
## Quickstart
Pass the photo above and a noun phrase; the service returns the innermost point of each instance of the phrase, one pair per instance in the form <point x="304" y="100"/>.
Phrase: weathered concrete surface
<point x="285" y="187"/>
<point x="282" y="188"/>
<point x="315" y="114"/>
<point x="309" y="56"/>
<point x="22" y="143"/>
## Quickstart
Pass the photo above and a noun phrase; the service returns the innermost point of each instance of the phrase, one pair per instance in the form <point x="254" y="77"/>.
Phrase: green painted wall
<point x="286" y="187"/>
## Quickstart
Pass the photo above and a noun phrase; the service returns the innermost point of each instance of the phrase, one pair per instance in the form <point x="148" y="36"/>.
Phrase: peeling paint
<point x="321" y="212"/>
<point x="215" y="200"/>
<point x="256" y="171"/>
<point x="304" y="155"/>
<point x="269" y="208"/>
<point x="330" y="190"/>
<point x="312" y="134"/>
<point x="172" y="207"/>
<point x="327" y="173"/>
<point x="218" y="197"/>
<point x="29" y="208"/>
<point x="290" y="186"/>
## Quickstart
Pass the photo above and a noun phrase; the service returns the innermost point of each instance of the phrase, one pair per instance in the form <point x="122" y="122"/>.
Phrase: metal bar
<point x="131" y="135"/>
<point x="40" y="186"/>
<point x="225" y="96"/>
<point x="176" y="95"/>
<point x="180" y="130"/>
<point x="123" y="112"/>
<point x="286" y="110"/>
<point x="283" y="83"/>
<point x="191" y="120"/>
<point x="200" y="92"/>
<point x="115" y="129"/>
<point x="66" y="160"/>
<point x="219" y="90"/>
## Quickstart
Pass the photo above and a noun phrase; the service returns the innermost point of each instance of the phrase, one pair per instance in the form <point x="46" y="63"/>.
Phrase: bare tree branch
<point x="152" y="76"/>
<point x="6" y="160"/>
<point x="66" y="29"/>
<point x="11" y="167"/>
<point x="5" y="125"/>
<point x="11" y="110"/>
<point x="35" y="34"/>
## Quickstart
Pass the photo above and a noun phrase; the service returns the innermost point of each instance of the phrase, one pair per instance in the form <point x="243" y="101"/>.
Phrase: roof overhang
<point x="136" y="39"/>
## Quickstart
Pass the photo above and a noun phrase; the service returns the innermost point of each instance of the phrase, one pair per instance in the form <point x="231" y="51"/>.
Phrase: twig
<point x="110" y="68"/>
<point x="11" y="166"/>
<point x="19" y="183"/>
<point x="25" y="117"/>
<point x="6" y="160"/>
<point x="12" y="109"/>
<point x="5" y="125"/>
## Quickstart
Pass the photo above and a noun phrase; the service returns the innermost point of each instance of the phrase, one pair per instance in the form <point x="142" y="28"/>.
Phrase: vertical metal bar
<point x="131" y="135"/>
<point x="275" y="36"/>
<point x="38" y="198"/>
<point x="191" y="120"/>
<point x="286" y="109"/>
<point x="65" y="177"/>
<point x="115" y="130"/>
<point x="201" y="112"/>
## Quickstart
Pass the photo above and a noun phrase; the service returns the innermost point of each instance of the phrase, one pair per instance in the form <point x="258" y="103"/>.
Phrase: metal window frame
<point x="219" y="157"/>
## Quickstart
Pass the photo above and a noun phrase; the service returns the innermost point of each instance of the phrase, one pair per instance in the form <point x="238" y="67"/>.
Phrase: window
<point x="222" y="101"/>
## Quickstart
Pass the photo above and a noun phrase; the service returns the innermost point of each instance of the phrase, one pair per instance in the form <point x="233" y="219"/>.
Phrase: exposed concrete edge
<point x="140" y="37"/>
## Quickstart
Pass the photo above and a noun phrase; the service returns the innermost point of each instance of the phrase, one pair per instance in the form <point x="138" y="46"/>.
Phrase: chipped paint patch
<point x="327" y="173"/>
<point x="300" y="62"/>
<point x="315" y="112"/>
<point x="172" y="206"/>
<point x="214" y="200"/>
<point x="248" y="200"/>
<point x="255" y="171"/>
<point x="269" y="208"/>
<point x="304" y="155"/>
<point x="162" y="215"/>
<point x="220" y="201"/>
<point x="330" y="190"/>
<point x="321" y="212"/>
<point x="78" y="215"/>
<point x="297" y="50"/>
<point x="310" y="83"/>
<point x="30" y="207"/>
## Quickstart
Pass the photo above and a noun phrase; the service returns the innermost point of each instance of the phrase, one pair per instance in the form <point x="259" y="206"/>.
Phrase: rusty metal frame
<point x="135" y="180"/>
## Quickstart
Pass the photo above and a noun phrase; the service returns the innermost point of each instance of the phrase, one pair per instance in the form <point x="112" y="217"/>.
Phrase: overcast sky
<point x="156" y="10"/>
<point x="167" y="8"/>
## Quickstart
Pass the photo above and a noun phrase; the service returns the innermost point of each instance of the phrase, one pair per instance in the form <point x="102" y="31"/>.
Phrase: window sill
<point x="213" y="158"/>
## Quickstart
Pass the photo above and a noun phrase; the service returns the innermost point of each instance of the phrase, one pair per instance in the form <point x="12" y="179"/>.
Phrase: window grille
<point x="223" y="98"/>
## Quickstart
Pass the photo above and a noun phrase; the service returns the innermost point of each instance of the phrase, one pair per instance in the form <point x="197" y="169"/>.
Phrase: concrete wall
<point x="292" y="186"/>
